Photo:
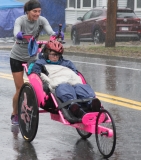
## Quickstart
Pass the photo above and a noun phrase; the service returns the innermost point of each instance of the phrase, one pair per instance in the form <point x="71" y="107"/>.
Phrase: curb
<point x="90" y="55"/>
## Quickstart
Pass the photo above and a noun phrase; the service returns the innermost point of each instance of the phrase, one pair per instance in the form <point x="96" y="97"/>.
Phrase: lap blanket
<point x="59" y="74"/>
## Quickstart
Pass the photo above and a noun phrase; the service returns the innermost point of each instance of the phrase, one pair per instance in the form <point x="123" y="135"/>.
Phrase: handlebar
<point x="57" y="37"/>
<point x="59" y="33"/>
<point x="31" y="38"/>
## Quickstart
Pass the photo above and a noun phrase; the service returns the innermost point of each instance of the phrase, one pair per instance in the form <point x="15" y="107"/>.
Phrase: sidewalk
<point x="126" y="52"/>
<point x="6" y="44"/>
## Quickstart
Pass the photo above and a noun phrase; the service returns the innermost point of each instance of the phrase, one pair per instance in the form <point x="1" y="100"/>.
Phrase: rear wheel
<point x="106" y="140"/>
<point x="75" y="40"/>
<point x="83" y="133"/>
<point x="28" y="113"/>
<point x="97" y="37"/>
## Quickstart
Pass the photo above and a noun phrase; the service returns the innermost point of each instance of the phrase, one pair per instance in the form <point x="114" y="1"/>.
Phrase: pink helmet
<point x="55" y="46"/>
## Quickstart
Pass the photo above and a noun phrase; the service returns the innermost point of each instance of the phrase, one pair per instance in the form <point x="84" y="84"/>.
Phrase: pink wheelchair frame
<point x="99" y="123"/>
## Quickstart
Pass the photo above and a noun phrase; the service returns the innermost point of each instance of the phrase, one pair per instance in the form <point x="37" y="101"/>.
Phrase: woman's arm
<point x="37" y="66"/>
<point x="47" y="27"/>
<point x="17" y="26"/>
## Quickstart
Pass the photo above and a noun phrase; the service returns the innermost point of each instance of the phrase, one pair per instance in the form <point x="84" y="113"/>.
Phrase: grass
<point x="125" y="49"/>
<point x="46" y="37"/>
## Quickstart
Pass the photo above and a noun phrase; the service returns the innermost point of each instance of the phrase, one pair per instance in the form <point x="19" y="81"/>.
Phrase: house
<point x="77" y="8"/>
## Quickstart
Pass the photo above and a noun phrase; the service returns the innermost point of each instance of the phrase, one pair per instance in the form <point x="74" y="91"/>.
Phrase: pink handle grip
<point x="52" y="38"/>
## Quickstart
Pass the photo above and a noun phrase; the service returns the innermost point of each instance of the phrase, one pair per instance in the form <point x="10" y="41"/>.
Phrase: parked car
<point x="92" y="26"/>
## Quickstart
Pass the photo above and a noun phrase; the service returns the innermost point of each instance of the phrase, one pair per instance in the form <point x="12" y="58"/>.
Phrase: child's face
<point x="53" y="56"/>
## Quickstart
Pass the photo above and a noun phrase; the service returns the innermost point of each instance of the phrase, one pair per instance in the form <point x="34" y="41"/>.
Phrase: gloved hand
<point x="61" y="35"/>
<point x="20" y="35"/>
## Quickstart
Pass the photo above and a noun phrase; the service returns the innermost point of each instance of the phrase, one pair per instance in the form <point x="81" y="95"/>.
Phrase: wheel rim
<point x="96" y="37"/>
<point x="28" y="112"/>
<point x="106" y="145"/>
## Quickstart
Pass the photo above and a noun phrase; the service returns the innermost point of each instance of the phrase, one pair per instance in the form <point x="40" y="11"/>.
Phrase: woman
<point x="30" y="23"/>
<point x="61" y="75"/>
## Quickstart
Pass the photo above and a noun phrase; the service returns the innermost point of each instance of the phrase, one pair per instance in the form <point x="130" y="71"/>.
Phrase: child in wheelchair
<point x="61" y="77"/>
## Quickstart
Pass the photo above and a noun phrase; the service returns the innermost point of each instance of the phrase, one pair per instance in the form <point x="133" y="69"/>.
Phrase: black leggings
<point x="16" y="65"/>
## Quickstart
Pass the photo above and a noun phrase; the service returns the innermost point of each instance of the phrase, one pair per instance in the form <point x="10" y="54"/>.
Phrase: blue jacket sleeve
<point x="37" y="67"/>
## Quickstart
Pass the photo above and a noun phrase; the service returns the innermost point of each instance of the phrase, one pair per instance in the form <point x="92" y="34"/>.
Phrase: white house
<point x="77" y="8"/>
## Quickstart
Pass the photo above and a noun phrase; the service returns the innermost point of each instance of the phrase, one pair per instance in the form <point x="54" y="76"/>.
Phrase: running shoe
<point x="76" y="110"/>
<point x="14" y="119"/>
<point x="96" y="105"/>
<point x="70" y="117"/>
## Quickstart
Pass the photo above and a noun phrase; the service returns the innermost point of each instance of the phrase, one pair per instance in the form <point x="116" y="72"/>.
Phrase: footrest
<point x="90" y="118"/>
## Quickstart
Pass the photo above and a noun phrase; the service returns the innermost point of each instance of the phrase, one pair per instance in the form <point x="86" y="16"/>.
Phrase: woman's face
<point x="34" y="14"/>
<point x="53" y="56"/>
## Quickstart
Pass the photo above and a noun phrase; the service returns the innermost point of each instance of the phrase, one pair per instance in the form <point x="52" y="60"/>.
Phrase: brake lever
<point x="59" y="33"/>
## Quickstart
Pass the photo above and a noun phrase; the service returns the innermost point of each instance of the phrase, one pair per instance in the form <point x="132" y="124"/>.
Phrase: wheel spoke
<point x="106" y="138"/>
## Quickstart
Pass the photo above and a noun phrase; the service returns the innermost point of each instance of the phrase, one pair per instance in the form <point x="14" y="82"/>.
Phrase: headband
<point x="33" y="6"/>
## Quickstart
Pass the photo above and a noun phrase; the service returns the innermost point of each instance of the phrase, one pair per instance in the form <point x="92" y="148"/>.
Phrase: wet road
<point x="112" y="81"/>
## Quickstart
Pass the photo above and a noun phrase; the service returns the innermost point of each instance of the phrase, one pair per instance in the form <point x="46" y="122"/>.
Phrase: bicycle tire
<point x="28" y="113"/>
<point x="83" y="134"/>
<point x="105" y="144"/>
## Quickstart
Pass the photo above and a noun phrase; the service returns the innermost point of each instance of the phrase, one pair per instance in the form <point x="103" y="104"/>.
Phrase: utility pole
<point x="111" y="23"/>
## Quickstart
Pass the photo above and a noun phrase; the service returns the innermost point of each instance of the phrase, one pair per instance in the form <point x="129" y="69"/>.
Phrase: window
<point x="126" y="14"/>
<point x="80" y="3"/>
<point x="96" y="13"/>
<point x="138" y="5"/>
<point x="72" y="3"/>
<point x="87" y="16"/>
<point x="86" y="3"/>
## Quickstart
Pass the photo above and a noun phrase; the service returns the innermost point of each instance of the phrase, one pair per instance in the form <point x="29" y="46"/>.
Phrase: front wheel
<point x="97" y="37"/>
<point x="105" y="133"/>
<point x="75" y="40"/>
<point x="83" y="133"/>
<point x="28" y="112"/>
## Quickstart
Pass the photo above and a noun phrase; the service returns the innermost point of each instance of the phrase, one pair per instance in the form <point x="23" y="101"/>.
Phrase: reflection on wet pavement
<point x="15" y="129"/>
<point x="83" y="149"/>
<point x="24" y="150"/>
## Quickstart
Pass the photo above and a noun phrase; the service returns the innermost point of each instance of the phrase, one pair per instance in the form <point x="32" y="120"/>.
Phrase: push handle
<point x="59" y="34"/>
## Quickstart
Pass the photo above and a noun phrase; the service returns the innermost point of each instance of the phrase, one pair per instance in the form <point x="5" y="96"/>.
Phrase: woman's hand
<point x="60" y="35"/>
<point x="20" y="35"/>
